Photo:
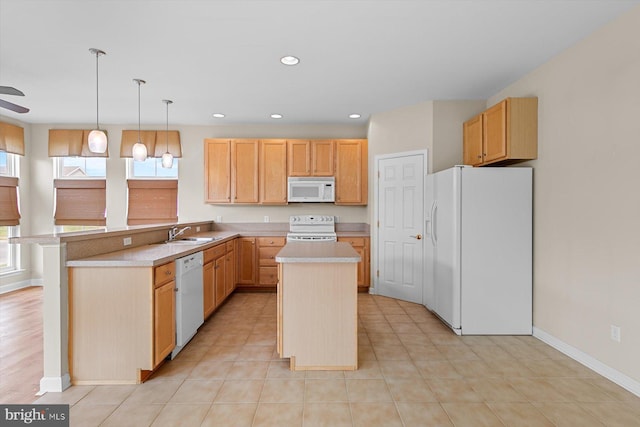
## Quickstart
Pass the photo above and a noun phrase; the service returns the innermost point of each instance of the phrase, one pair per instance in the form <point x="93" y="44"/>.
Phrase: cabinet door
<point x="351" y="172"/>
<point x="230" y="272"/>
<point x="495" y="132"/>
<point x="219" y="276"/>
<point x="244" y="171"/>
<point x="273" y="172"/>
<point x="322" y="158"/>
<point x="246" y="253"/>
<point x="164" y="314"/>
<point x="208" y="289"/>
<point x="298" y="158"/>
<point x="217" y="170"/>
<point x="472" y="141"/>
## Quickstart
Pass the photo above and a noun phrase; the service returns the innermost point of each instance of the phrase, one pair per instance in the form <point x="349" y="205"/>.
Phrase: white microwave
<point x="311" y="189"/>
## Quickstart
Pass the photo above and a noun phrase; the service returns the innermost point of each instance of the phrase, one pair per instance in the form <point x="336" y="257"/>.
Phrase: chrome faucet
<point x="174" y="232"/>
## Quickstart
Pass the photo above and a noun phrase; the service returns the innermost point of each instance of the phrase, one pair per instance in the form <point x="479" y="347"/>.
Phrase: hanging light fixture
<point x="97" y="138"/>
<point x="139" y="150"/>
<point x="167" y="158"/>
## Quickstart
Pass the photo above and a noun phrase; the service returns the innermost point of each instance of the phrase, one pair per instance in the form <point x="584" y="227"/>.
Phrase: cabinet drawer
<point x="164" y="273"/>
<point x="355" y="241"/>
<point x="271" y="241"/>
<point x="231" y="246"/>
<point x="267" y="255"/>
<point x="213" y="253"/>
<point x="268" y="275"/>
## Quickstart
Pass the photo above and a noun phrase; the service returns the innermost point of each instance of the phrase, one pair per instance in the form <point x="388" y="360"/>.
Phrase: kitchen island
<point x="318" y="306"/>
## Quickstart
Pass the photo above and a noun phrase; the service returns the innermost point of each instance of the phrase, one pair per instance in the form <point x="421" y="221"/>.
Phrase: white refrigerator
<point x="478" y="249"/>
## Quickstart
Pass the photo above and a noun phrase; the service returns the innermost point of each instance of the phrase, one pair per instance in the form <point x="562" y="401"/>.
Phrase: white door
<point x="400" y="208"/>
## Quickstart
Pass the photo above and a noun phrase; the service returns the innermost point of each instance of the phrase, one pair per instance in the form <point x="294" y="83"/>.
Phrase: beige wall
<point x="587" y="193"/>
<point x="448" y="117"/>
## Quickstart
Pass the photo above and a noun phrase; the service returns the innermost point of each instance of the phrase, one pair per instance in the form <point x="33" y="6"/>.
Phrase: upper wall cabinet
<point x="310" y="158"/>
<point x="231" y="170"/>
<point x="351" y="172"/>
<point x="505" y="133"/>
<point x="255" y="171"/>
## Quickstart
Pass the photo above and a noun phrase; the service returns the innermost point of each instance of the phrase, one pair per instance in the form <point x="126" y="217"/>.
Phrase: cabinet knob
<point x="168" y="273"/>
<point x="479" y="157"/>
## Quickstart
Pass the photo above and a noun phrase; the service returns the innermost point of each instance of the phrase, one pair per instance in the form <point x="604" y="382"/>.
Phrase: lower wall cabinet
<point x="218" y="275"/>
<point x="362" y="246"/>
<point x="268" y="247"/>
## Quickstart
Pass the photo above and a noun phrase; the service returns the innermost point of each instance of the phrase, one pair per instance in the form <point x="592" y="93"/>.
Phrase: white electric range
<point x="312" y="228"/>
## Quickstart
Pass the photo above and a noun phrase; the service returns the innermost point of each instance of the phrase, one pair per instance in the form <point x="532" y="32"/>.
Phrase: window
<point x="80" y="193"/>
<point x="80" y="167"/>
<point x="151" y="168"/>
<point x="9" y="211"/>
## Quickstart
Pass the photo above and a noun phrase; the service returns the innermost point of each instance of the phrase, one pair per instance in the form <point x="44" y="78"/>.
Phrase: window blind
<point x="152" y="201"/>
<point x="71" y="143"/>
<point x="155" y="141"/>
<point x="9" y="212"/>
<point x="11" y="138"/>
<point x="80" y="202"/>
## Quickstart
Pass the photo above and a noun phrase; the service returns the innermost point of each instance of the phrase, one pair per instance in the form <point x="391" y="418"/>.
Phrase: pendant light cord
<point x="139" y="140"/>
<point x="97" y="103"/>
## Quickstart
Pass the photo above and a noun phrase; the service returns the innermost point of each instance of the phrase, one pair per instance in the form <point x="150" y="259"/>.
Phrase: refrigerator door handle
<point x="432" y="220"/>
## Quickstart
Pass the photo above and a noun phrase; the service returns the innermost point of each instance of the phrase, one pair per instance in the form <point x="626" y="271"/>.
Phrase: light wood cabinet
<point x="472" y="141"/>
<point x="310" y="158"/>
<point x="164" y="327"/>
<point x="246" y="254"/>
<point x="217" y="166"/>
<point x="121" y="322"/>
<point x="268" y="247"/>
<point x="213" y="269"/>
<point x="244" y="171"/>
<point x="231" y="171"/>
<point x="362" y="246"/>
<point x="273" y="172"/>
<point x="351" y="172"/>
<point x="508" y="132"/>
<point x="230" y="267"/>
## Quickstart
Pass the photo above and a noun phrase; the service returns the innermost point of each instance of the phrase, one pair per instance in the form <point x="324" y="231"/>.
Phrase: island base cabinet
<point x="121" y="323"/>
<point x="111" y="316"/>
<point x="317" y="315"/>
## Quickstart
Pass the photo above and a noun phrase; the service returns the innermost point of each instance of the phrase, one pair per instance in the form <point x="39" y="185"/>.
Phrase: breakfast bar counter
<point x="318" y="306"/>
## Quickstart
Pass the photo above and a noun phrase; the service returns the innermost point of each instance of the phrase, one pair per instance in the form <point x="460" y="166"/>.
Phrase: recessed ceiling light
<point x="289" y="60"/>
<point x="218" y="115"/>
<point x="276" y="116"/>
<point x="354" y="116"/>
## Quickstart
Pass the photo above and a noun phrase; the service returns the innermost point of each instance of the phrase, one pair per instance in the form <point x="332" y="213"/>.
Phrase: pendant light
<point x="139" y="150"/>
<point x="97" y="138"/>
<point x="167" y="158"/>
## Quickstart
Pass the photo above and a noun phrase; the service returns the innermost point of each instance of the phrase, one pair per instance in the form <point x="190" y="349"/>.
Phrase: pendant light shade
<point x="167" y="157"/>
<point x="139" y="150"/>
<point x="97" y="138"/>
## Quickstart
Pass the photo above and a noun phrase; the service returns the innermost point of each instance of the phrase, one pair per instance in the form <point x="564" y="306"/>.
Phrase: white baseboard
<point x="590" y="362"/>
<point x="20" y="285"/>
<point x="54" y="384"/>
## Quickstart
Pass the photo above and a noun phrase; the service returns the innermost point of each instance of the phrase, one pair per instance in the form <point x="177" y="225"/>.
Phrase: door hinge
<point x="378" y="223"/>
<point x="378" y="174"/>
<point x="377" y="273"/>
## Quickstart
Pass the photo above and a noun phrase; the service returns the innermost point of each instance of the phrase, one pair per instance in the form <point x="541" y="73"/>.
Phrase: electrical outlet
<point x="266" y="218"/>
<point x="615" y="333"/>
<point x="219" y="218"/>
<point x="197" y="229"/>
<point x="126" y="241"/>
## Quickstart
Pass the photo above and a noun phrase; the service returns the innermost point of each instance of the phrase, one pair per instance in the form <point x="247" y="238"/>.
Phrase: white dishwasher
<point x="189" y="299"/>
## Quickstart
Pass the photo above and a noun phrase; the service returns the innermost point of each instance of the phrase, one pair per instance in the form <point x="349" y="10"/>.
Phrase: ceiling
<point x="356" y="56"/>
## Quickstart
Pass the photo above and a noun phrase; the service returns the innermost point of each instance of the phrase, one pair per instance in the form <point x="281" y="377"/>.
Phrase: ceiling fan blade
<point x="13" y="107"/>
<point x="8" y="90"/>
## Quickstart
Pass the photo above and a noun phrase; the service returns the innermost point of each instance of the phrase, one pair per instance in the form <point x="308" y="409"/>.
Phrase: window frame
<point x="13" y="252"/>
<point x="158" y="164"/>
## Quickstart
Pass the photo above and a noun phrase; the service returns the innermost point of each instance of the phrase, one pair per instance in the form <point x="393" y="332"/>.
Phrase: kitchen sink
<point x="193" y="240"/>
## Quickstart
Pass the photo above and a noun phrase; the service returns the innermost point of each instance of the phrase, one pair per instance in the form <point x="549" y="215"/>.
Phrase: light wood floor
<point x="20" y="345"/>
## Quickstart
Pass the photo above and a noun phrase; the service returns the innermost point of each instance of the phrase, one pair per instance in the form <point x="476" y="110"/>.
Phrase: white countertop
<point x="151" y="255"/>
<point x="321" y="252"/>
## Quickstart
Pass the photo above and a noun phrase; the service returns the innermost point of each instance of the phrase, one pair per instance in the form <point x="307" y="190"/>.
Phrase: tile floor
<point x="413" y="372"/>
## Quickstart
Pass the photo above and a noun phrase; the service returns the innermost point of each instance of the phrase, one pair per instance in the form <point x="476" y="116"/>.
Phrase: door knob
<point x="417" y="236"/>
